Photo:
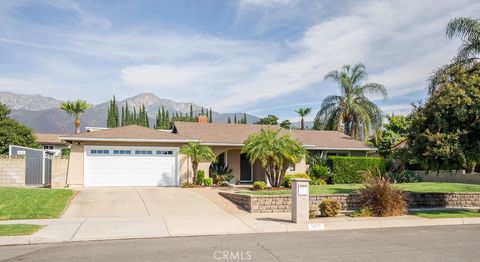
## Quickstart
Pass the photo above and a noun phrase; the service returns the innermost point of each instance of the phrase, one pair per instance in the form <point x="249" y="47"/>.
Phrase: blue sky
<point x="259" y="56"/>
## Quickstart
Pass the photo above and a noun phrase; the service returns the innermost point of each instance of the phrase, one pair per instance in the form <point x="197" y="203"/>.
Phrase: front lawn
<point x="422" y="187"/>
<point x="18" y="229"/>
<point x="33" y="203"/>
<point x="447" y="213"/>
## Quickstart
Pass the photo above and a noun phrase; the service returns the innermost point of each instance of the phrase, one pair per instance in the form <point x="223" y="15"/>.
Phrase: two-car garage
<point x="130" y="166"/>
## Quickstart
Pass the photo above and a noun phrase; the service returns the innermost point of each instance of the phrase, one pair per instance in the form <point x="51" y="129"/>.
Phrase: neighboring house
<point x="139" y="156"/>
<point x="52" y="143"/>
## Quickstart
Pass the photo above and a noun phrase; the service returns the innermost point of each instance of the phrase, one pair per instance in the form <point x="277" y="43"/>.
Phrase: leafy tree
<point x="393" y="133"/>
<point x="444" y="131"/>
<point x="197" y="153"/>
<point x="351" y="111"/>
<point x="113" y="117"/>
<point x="286" y="124"/>
<point x="303" y="112"/>
<point x="468" y="30"/>
<point x="76" y="109"/>
<point x="4" y="111"/>
<point x="274" y="153"/>
<point x="268" y="120"/>
<point x="14" y="133"/>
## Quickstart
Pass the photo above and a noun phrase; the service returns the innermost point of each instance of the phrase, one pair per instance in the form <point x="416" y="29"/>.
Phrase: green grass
<point x="33" y="203"/>
<point x="423" y="187"/>
<point x="18" y="229"/>
<point x="448" y="213"/>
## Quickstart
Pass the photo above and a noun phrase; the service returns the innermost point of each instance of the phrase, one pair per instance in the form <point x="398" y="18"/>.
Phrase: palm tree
<point x="75" y="108"/>
<point x="303" y="112"/>
<point x="197" y="153"/>
<point x="351" y="111"/>
<point x="273" y="152"/>
<point x="468" y="30"/>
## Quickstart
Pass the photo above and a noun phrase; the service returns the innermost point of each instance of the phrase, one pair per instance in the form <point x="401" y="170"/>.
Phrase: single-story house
<point x="140" y="156"/>
<point x="52" y="143"/>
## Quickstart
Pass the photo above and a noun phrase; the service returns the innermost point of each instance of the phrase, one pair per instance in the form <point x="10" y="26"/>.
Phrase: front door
<point x="246" y="174"/>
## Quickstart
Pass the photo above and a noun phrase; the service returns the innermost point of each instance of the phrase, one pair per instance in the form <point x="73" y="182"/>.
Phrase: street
<point x="446" y="243"/>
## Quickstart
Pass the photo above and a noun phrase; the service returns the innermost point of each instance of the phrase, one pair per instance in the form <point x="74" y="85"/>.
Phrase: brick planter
<point x="269" y="204"/>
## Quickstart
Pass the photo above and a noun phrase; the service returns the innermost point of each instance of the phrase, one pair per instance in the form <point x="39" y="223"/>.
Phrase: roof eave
<point x="90" y="139"/>
<point x="343" y="148"/>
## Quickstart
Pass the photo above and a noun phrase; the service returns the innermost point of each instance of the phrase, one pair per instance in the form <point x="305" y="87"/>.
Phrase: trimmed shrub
<point x="362" y="212"/>
<point x="320" y="172"/>
<point x="208" y="182"/>
<point x="187" y="185"/>
<point x="259" y="185"/>
<point x="404" y="177"/>
<point x="200" y="177"/>
<point x="330" y="208"/>
<point x="287" y="179"/>
<point x="347" y="170"/>
<point x="317" y="182"/>
<point x="381" y="197"/>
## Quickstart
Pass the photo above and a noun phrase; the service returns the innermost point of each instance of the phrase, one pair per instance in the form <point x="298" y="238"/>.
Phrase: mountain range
<point x="43" y="114"/>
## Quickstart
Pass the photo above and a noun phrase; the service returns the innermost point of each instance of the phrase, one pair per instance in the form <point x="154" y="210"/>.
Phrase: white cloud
<point x="400" y="42"/>
<point x="266" y="2"/>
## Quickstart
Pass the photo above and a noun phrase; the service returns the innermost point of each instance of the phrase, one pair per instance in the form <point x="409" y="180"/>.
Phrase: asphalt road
<point x="446" y="243"/>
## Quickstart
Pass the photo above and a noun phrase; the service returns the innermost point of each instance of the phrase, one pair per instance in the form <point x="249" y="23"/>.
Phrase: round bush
<point x="330" y="208"/>
<point x="259" y="185"/>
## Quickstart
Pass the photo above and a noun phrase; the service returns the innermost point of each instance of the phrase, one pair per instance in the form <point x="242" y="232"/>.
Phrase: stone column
<point x="300" y="200"/>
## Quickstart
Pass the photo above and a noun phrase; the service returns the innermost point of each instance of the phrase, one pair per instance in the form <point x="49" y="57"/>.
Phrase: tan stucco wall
<point x="75" y="166"/>
<point x="59" y="172"/>
<point x="12" y="171"/>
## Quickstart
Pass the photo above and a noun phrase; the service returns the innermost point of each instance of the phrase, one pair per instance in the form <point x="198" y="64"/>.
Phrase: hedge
<point x="349" y="169"/>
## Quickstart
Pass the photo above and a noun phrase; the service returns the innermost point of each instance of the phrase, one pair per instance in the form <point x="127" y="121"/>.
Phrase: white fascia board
<point x="343" y="148"/>
<point x="128" y="140"/>
<point x="221" y="144"/>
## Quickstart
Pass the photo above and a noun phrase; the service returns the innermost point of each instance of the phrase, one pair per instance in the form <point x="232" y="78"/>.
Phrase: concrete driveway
<point x="141" y="202"/>
<point x="125" y="212"/>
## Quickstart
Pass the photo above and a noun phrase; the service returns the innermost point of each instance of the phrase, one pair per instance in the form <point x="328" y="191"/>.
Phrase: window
<point x="143" y="152"/>
<point x="99" y="152"/>
<point x="48" y="147"/>
<point x="122" y="152"/>
<point x="291" y="167"/>
<point x="169" y="152"/>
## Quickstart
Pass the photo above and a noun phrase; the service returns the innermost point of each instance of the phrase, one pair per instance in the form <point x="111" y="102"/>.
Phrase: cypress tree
<point x="229" y="121"/>
<point x="235" y="118"/>
<point x="210" y="116"/>
<point x="245" y="118"/>
<point x="191" y="111"/>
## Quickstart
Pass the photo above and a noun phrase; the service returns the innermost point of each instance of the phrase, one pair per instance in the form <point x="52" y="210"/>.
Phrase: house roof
<point x="218" y="134"/>
<point x="236" y="134"/>
<point x="51" y="139"/>
<point x="132" y="133"/>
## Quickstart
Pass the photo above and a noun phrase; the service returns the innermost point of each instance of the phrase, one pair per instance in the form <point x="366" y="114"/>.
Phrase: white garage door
<point x="130" y="166"/>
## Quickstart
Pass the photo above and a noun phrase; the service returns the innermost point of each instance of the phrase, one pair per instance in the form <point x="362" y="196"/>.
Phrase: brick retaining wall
<point x="267" y="204"/>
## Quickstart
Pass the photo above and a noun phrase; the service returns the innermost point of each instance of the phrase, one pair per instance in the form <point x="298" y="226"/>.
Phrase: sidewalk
<point x="83" y="229"/>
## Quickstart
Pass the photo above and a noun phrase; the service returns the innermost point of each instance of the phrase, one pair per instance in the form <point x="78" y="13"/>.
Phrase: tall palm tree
<point x="468" y="30"/>
<point x="197" y="153"/>
<point x="303" y="112"/>
<point x="75" y="108"/>
<point x="273" y="152"/>
<point x="351" y="111"/>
